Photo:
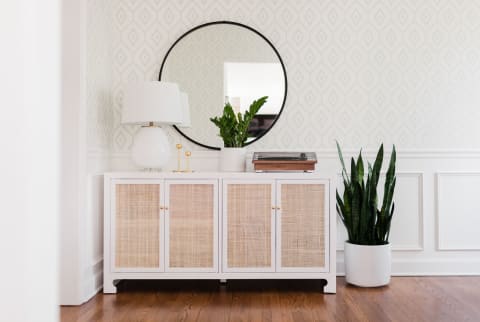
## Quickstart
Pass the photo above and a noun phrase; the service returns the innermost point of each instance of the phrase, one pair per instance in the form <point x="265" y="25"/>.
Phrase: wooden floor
<point x="411" y="299"/>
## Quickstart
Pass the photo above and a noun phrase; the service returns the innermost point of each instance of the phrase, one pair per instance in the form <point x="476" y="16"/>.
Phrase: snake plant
<point x="234" y="128"/>
<point x="367" y="224"/>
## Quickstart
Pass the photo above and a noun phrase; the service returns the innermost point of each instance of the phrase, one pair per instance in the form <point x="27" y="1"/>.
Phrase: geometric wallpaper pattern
<point x="98" y="85"/>
<point x="360" y="71"/>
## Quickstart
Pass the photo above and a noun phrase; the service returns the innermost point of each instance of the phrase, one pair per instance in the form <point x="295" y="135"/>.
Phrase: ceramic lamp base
<point x="151" y="149"/>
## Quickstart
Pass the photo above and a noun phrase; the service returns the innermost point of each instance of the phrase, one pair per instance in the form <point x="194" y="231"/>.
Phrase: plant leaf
<point x="365" y="223"/>
<point x="344" y="169"/>
<point x="234" y="128"/>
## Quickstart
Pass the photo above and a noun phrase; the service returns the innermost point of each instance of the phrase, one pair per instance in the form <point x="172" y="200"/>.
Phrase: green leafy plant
<point x="366" y="224"/>
<point x="234" y="127"/>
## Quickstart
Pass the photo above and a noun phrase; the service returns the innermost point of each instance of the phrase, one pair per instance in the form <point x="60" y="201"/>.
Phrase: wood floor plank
<point x="405" y="299"/>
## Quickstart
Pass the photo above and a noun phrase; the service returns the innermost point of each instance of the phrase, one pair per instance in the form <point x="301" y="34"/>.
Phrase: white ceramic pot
<point x="232" y="159"/>
<point x="368" y="266"/>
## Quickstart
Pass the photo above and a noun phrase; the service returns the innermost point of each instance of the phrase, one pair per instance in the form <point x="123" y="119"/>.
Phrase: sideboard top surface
<point x="215" y="175"/>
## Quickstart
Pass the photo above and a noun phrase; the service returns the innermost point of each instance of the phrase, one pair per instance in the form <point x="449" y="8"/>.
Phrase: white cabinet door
<point x="302" y="225"/>
<point x="248" y="226"/>
<point x="137" y="225"/>
<point x="191" y="226"/>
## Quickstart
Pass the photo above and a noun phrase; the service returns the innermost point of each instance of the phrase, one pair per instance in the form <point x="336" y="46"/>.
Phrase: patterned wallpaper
<point x="99" y="76"/>
<point x="360" y="71"/>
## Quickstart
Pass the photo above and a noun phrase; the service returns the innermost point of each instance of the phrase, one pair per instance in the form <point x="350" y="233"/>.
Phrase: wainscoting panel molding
<point x="420" y="245"/>
<point x="458" y="210"/>
<point x="407" y="222"/>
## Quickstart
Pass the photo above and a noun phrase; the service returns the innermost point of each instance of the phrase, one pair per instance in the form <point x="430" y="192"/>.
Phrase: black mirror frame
<point x="259" y="34"/>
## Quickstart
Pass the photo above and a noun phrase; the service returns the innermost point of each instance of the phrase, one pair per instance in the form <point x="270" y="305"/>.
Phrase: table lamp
<point x="151" y="103"/>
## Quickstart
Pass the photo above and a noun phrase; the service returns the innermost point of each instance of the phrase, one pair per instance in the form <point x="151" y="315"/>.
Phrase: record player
<point x="284" y="161"/>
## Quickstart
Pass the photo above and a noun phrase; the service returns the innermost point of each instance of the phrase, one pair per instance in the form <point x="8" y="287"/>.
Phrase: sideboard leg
<point x="331" y="286"/>
<point x="109" y="286"/>
<point x="223" y="281"/>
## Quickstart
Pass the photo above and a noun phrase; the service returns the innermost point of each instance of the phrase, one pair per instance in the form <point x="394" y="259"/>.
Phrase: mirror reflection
<point x="225" y="62"/>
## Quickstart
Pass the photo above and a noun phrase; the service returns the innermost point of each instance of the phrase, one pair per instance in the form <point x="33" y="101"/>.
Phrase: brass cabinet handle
<point x="161" y="208"/>
<point x="273" y="208"/>
<point x="166" y="208"/>
<point x="278" y="208"/>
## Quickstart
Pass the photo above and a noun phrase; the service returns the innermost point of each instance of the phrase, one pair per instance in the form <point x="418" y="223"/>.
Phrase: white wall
<point x="73" y="142"/>
<point x="86" y="141"/>
<point x="362" y="72"/>
<point x="29" y="138"/>
<point x="250" y="81"/>
<point x="99" y="115"/>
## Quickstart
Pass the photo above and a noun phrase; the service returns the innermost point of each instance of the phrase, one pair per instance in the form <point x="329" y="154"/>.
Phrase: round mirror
<point x="222" y="62"/>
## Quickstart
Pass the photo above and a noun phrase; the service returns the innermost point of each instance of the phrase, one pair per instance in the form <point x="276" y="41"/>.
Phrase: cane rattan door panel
<point x="250" y="226"/>
<point x="137" y="226"/>
<point x="301" y="221"/>
<point x="191" y="221"/>
<point x="222" y="226"/>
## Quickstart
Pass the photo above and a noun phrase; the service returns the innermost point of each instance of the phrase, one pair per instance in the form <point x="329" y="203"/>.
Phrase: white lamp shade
<point x="185" y="111"/>
<point x="157" y="102"/>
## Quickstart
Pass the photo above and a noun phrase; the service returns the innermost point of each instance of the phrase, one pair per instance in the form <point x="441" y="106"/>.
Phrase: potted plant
<point x="367" y="250"/>
<point x="234" y="132"/>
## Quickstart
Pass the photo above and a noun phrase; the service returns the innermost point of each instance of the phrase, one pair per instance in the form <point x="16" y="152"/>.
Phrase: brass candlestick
<point x="179" y="158"/>
<point x="187" y="161"/>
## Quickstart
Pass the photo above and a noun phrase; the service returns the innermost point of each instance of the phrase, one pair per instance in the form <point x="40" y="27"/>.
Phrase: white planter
<point x="233" y="159"/>
<point x="368" y="266"/>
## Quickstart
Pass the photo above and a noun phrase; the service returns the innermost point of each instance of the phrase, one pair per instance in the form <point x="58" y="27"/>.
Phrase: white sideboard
<point x="161" y="225"/>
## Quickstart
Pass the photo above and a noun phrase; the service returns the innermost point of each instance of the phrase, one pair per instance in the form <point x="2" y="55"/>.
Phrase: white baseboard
<point x="425" y="267"/>
<point x="93" y="280"/>
<point x="399" y="268"/>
